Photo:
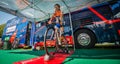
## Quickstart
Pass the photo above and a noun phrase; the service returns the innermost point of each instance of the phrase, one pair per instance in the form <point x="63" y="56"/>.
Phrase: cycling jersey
<point x="57" y="16"/>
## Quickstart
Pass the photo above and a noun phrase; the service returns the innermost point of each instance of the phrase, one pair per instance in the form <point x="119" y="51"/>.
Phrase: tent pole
<point x="70" y="21"/>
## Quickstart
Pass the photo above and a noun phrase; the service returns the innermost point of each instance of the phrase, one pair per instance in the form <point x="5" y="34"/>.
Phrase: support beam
<point x="13" y="12"/>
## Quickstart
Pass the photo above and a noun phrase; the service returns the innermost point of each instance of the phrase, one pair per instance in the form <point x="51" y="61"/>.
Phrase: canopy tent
<point x="42" y="9"/>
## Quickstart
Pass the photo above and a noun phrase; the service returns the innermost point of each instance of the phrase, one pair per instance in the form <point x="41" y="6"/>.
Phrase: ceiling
<point x="42" y="9"/>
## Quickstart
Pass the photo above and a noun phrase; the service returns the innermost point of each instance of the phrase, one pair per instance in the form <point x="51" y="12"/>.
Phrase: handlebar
<point x="50" y="25"/>
<point x="53" y="24"/>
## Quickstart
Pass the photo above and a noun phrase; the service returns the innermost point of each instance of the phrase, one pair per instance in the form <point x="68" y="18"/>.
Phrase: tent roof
<point x="43" y="9"/>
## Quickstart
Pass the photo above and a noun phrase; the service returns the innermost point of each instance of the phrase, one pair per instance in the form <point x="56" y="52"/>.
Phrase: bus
<point x="96" y="24"/>
<point x="20" y="28"/>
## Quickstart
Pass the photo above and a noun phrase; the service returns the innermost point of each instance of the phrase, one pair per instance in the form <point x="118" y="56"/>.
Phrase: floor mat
<point x="57" y="59"/>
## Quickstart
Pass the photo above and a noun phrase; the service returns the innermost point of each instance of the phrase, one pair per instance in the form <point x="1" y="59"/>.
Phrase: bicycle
<point x="58" y="44"/>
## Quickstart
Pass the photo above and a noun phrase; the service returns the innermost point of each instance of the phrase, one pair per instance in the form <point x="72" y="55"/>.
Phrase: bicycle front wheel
<point x="49" y="41"/>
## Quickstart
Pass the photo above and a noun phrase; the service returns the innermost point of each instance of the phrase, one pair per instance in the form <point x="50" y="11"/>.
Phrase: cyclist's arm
<point x="53" y="16"/>
<point x="51" y="19"/>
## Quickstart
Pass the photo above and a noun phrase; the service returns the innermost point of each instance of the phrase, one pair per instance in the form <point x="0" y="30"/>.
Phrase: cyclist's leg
<point x="58" y="40"/>
<point x="62" y="37"/>
<point x="56" y="37"/>
<point x="62" y="30"/>
<point x="61" y="40"/>
<point x="64" y="40"/>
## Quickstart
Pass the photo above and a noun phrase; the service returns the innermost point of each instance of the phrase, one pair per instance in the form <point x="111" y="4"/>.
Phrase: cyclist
<point x="58" y="17"/>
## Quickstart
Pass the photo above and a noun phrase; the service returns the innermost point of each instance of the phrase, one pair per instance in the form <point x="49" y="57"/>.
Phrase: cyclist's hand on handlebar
<point x="49" y="22"/>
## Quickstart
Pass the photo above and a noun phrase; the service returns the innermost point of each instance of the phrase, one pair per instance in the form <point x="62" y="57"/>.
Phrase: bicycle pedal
<point x="66" y="52"/>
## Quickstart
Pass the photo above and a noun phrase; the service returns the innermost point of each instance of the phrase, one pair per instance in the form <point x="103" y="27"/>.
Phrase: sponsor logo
<point x="13" y="22"/>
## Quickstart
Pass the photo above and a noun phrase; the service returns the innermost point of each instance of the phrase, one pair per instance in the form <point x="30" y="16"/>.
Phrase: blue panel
<point x="22" y="27"/>
<point x="10" y="23"/>
<point x="32" y="34"/>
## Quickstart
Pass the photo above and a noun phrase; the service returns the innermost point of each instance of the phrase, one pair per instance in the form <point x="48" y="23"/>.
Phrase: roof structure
<point x="42" y="9"/>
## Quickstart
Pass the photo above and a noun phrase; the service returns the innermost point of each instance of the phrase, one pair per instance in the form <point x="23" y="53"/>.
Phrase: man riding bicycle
<point x="58" y="17"/>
